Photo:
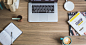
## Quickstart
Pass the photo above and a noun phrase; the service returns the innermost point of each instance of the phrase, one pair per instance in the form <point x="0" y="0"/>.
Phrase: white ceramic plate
<point x="69" y="6"/>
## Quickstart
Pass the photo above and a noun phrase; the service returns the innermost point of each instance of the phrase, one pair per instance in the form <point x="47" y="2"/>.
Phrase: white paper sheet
<point x="5" y="38"/>
<point x="16" y="4"/>
<point x="12" y="28"/>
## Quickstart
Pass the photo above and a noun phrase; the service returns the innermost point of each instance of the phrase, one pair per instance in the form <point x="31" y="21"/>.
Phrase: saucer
<point x="69" y="6"/>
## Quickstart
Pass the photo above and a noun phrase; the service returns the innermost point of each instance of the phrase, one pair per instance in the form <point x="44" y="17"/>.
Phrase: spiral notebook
<point x="6" y="38"/>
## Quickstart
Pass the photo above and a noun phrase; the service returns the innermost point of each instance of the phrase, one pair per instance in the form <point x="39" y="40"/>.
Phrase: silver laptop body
<point x="42" y="12"/>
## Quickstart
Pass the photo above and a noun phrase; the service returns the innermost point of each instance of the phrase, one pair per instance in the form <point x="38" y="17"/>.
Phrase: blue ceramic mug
<point x="63" y="41"/>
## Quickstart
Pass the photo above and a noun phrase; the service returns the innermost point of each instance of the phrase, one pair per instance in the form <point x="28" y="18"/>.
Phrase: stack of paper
<point x="78" y="22"/>
<point x="11" y="4"/>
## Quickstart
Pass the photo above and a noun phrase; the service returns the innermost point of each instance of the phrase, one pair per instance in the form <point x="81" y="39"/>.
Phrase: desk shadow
<point x="14" y="16"/>
<point x="58" y="39"/>
<point x="1" y="31"/>
<point x="27" y="12"/>
<point x="26" y="0"/>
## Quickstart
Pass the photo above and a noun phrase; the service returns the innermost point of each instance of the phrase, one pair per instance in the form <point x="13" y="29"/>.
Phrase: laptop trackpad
<point x="43" y="17"/>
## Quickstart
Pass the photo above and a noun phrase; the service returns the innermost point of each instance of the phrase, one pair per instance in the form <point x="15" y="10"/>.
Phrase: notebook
<point x="6" y="38"/>
<point x="78" y="22"/>
<point x="73" y="32"/>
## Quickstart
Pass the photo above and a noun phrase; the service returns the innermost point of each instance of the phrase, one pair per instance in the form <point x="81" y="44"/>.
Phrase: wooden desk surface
<point x="42" y="33"/>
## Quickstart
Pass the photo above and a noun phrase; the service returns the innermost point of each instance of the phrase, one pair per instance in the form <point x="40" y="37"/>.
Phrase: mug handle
<point x="61" y="38"/>
<point x="66" y="44"/>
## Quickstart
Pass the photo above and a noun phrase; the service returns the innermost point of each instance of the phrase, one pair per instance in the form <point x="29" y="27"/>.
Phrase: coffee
<point x="67" y="40"/>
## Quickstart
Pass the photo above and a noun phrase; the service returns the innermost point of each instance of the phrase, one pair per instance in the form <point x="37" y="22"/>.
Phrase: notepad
<point x="5" y="35"/>
<point x="78" y="22"/>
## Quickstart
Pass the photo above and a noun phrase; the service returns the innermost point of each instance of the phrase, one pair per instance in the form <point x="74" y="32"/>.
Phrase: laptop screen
<point x="42" y="1"/>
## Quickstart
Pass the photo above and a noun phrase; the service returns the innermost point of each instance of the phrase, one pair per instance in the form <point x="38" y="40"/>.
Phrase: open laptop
<point x="43" y="11"/>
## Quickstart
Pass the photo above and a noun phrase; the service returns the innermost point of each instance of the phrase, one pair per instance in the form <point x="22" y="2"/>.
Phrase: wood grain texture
<point x="42" y="33"/>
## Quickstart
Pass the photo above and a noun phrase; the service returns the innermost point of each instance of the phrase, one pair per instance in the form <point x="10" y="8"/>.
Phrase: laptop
<point x="43" y="11"/>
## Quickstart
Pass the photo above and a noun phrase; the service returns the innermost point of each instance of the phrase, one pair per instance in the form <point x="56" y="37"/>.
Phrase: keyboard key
<point x="42" y="8"/>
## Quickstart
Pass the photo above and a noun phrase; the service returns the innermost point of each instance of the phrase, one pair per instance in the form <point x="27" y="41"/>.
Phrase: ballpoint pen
<point x="11" y="38"/>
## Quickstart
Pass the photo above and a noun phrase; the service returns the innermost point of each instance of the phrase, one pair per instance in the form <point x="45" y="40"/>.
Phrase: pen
<point x="11" y="38"/>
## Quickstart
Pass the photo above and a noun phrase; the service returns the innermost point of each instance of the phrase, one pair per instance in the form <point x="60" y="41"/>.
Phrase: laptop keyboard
<point x="42" y="8"/>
